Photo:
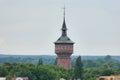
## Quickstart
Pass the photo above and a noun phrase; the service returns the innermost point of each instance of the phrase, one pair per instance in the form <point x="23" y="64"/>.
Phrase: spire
<point x="64" y="28"/>
<point x="64" y="38"/>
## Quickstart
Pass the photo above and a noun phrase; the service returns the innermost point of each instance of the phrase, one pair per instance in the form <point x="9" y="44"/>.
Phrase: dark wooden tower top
<point x="64" y="38"/>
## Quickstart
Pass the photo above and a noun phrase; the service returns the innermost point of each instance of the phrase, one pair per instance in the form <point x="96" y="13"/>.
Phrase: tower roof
<point x="64" y="38"/>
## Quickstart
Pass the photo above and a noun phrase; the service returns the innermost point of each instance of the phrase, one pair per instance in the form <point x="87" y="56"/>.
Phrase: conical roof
<point x="64" y="38"/>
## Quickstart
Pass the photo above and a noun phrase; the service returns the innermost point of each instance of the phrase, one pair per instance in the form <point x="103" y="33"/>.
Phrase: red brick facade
<point x="63" y="48"/>
<point x="64" y="52"/>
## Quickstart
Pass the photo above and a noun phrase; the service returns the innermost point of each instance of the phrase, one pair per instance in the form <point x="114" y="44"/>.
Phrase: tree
<point x="107" y="72"/>
<point x="44" y="72"/>
<point x="107" y="58"/>
<point x="55" y="63"/>
<point x="78" y="68"/>
<point x="89" y="63"/>
<point x="40" y="62"/>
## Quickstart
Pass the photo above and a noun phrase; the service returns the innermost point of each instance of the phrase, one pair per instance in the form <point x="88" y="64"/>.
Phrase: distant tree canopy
<point x="107" y="58"/>
<point x="88" y="61"/>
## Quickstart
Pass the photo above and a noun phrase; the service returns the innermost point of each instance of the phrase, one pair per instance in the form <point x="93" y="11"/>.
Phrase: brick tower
<point x="64" y="48"/>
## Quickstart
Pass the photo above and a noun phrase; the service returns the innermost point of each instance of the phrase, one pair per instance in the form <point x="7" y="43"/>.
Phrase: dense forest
<point x="45" y="68"/>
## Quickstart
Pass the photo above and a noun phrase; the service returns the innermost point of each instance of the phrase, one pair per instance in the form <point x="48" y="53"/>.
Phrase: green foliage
<point x="44" y="73"/>
<point x="55" y="63"/>
<point x="34" y="72"/>
<point x="107" y="58"/>
<point x="78" y="68"/>
<point x="106" y="62"/>
<point x="3" y="71"/>
<point x="88" y="69"/>
<point x="89" y="63"/>
<point x="40" y="62"/>
<point x="93" y="73"/>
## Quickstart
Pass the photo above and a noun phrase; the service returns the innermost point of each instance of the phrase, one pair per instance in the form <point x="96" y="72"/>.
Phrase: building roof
<point x="64" y="38"/>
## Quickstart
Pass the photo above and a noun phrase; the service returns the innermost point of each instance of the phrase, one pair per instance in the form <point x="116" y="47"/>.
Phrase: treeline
<point x="106" y="61"/>
<point x="47" y="60"/>
<point x="33" y="72"/>
<point x="54" y="72"/>
<point x="89" y="61"/>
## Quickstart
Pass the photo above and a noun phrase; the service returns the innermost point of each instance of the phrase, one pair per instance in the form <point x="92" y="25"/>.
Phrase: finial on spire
<point x="64" y="11"/>
<point x="64" y="28"/>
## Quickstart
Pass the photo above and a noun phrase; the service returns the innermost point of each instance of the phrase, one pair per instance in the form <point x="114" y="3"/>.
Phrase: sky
<point x="30" y="27"/>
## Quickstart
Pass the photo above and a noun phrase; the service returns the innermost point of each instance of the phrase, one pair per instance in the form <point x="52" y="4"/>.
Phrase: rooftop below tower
<point x="64" y="39"/>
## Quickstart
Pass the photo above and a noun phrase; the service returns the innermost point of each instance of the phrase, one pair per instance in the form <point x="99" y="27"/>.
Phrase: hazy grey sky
<point x="31" y="26"/>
